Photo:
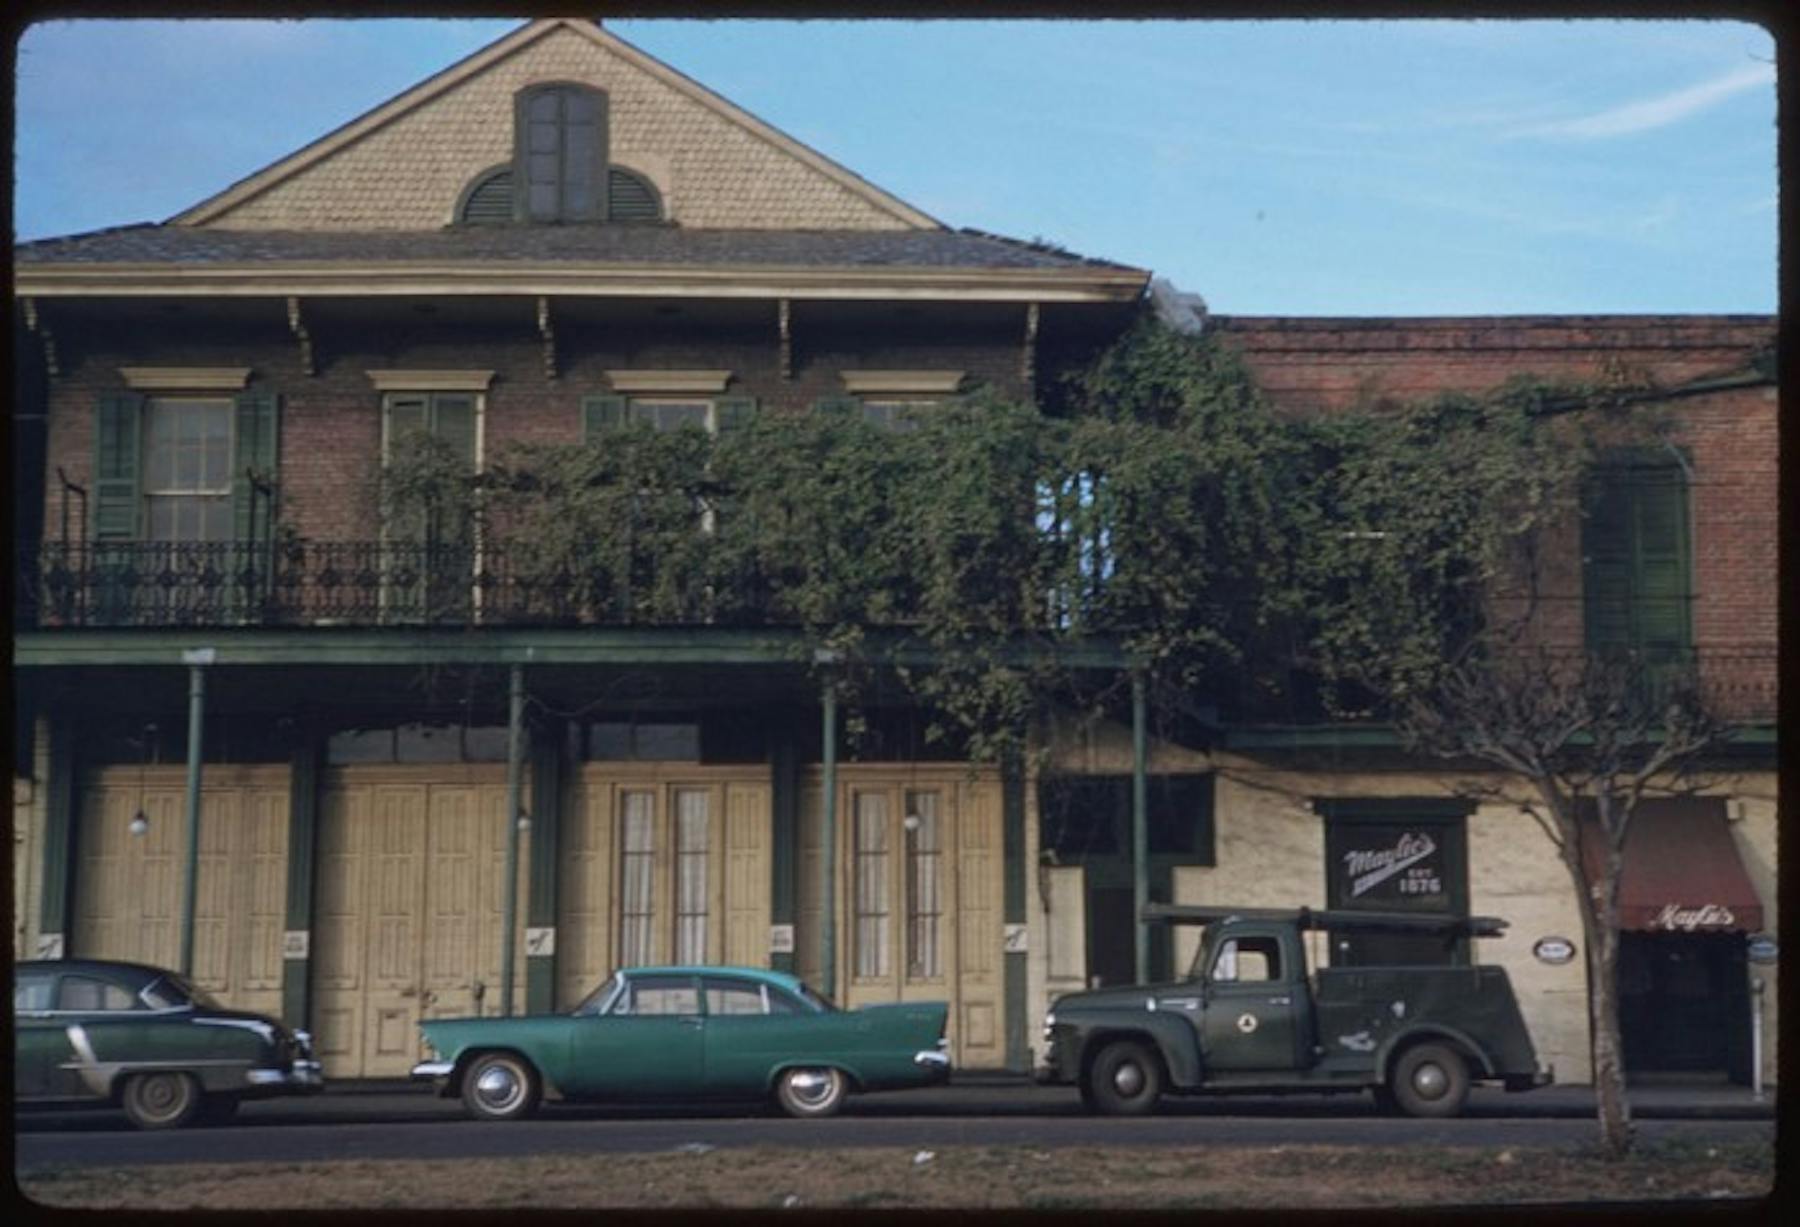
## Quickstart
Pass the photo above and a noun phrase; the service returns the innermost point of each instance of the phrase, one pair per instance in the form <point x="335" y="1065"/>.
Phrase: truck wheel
<point x="500" y="1086"/>
<point x="1430" y="1080"/>
<point x="1126" y="1080"/>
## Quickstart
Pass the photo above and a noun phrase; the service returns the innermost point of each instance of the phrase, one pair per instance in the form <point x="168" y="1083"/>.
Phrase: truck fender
<point x="1170" y="1034"/>
<point x="1459" y="1039"/>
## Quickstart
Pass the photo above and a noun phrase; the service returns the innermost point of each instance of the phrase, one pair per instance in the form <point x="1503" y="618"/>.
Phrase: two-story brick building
<point x="219" y="633"/>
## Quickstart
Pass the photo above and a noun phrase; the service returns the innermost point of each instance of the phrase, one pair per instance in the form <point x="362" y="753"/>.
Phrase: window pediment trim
<point x="641" y="383"/>
<point x="431" y="381"/>
<point x="868" y="383"/>
<point x="186" y="378"/>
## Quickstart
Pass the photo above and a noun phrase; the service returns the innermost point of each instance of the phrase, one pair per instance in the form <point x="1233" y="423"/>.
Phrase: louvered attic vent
<point x="629" y="198"/>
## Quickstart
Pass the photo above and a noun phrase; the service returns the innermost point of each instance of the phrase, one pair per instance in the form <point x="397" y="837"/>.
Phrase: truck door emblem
<point x="1362" y="1041"/>
<point x="1246" y="1023"/>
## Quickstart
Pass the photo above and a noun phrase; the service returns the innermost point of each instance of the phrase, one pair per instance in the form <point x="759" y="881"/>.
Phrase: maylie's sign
<point x="1673" y="918"/>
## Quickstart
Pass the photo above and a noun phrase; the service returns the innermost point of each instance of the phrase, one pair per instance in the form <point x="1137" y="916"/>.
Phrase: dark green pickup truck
<point x="1250" y="1018"/>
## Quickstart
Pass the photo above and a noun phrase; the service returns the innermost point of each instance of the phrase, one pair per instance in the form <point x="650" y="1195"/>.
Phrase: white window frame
<point x="149" y="494"/>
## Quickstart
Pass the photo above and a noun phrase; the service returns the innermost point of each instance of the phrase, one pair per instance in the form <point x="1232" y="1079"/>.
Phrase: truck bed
<point x="1358" y="1009"/>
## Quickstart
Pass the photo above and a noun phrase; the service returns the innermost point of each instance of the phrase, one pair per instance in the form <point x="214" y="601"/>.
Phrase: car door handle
<point x="693" y="1022"/>
<point x="1280" y="1000"/>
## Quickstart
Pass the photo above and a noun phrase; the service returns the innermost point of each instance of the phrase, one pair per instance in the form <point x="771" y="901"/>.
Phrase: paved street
<point x="393" y="1123"/>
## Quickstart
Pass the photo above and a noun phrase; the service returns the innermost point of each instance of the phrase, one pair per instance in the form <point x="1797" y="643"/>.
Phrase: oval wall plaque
<point x="1762" y="949"/>
<point x="1553" y="950"/>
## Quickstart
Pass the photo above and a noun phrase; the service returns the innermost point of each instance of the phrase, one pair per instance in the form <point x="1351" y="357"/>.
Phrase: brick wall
<point x="331" y="421"/>
<point x="1320" y="364"/>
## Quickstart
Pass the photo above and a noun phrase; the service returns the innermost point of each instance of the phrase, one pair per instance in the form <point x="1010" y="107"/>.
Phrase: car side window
<point x="733" y="996"/>
<point x="785" y="1003"/>
<point x="31" y="992"/>
<point x="89" y="993"/>
<point x="662" y="995"/>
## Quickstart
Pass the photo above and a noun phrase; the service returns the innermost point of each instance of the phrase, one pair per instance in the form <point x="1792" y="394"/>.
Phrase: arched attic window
<point x="488" y="198"/>
<point x="559" y="153"/>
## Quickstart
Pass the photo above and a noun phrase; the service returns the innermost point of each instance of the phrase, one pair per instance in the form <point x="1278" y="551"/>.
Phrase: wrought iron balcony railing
<point x="369" y="583"/>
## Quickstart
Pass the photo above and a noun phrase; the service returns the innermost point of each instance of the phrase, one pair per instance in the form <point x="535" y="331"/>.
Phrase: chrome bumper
<point x="300" y="1076"/>
<point x="433" y="1069"/>
<point x="931" y="1059"/>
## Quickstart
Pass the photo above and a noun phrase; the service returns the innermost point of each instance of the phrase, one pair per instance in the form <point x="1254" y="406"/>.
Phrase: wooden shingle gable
<point x="409" y="162"/>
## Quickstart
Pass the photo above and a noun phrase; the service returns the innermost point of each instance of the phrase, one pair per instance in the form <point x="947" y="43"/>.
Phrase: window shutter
<point x="735" y="413"/>
<point x="1606" y="561"/>
<point x="1660" y="578"/>
<point x="839" y="406"/>
<point x="118" y="424"/>
<point x="453" y="423"/>
<point x="258" y="430"/>
<point x="600" y="414"/>
<point x="630" y="197"/>
<point x="490" y="200"/>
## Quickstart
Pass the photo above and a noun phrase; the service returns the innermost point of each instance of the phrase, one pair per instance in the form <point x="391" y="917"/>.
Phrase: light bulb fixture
<point x="139" y="824"/>
<point x="911" y="822"/>
<point x="524" y="821"/>
<point x="140" y="821"/>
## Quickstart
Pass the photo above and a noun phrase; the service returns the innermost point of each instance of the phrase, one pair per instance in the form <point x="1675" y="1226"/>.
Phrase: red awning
<point x="1682" y="871"/>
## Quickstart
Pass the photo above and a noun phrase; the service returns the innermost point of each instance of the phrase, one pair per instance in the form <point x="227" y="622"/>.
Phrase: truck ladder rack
<point x="1336" y="920"/>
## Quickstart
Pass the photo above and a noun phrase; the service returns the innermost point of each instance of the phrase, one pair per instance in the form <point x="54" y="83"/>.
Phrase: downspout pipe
<point x="828" y="848"/>
<point x="1140" y="824"/>
<point x="515" y="758"/>
<point x="190" y="886"/>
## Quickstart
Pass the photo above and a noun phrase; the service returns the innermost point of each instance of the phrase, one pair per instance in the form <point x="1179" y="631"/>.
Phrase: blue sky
<point x="1293" y="167"/>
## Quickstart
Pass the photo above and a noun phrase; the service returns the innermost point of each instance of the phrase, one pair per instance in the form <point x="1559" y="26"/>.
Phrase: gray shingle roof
<point x="603" y="244"/>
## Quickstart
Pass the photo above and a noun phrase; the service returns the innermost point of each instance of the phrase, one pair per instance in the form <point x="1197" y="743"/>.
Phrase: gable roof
<point x="218" y="209"/>
<point x="579" y="260"/>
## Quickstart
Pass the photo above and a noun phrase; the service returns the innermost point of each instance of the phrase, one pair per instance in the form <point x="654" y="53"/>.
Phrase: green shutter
<point x="734" y="413"/>
<point x="600" y="414"/>
<point x="1636" y="575"/>
<point x="453" y="423"/>
<point x="842" y="406"/>
<point x="1660" y="578"/>
<point x="258" y="440"/>
<point x="118" y="426"/>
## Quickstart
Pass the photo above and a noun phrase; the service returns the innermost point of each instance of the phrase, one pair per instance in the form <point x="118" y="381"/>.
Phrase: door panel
<point x="410" y="897"/>
<point x="129" y="887"/>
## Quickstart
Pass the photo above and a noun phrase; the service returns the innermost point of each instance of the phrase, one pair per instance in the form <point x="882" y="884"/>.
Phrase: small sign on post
<point x="781" y="939"/>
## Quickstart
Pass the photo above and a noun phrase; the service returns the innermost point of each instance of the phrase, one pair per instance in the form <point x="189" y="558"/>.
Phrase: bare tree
<point x="1589" y="735"/>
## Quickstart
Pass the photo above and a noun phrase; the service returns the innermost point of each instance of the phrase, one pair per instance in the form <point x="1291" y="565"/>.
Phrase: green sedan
<point x="103" y="1033"/>
<point x="688" y="1032"/>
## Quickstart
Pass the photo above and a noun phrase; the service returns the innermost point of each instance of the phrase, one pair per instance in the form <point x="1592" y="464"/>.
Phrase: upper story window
<point x="1637" y="570"/>
<point x="559" y="154"/>
<point x="187" y="469"/>
<point x="894" y="400"/>
<point x="185" y="455"/>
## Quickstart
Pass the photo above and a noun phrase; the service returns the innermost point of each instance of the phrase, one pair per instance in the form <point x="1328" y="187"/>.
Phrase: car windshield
<point x="597" y="1001"/>
<point x="817" y="1001"/>
<point x="173" y="991"/>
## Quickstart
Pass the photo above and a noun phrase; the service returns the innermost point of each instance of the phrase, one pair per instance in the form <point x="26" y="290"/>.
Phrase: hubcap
<point x="1430" y="1081"/>
<point x="810" y="1086"/>
<point x="159" y="1094"/>
<point x="1128" y="1079"/>
<point x="498" y="1087"/>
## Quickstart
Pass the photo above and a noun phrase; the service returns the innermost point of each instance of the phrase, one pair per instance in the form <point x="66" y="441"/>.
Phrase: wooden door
<point x="411" y="899"/>
<point x="129" y="887"/>
<point x="666" y="863"/>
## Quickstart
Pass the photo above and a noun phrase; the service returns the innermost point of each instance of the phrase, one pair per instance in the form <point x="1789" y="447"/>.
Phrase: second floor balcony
<point x="363" y="584"/>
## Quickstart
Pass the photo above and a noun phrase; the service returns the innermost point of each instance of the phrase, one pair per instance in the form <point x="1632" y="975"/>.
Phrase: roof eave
<point x="578" y="279"/>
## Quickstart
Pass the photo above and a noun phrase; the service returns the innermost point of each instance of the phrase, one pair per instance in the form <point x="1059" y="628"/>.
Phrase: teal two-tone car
<point x="652" y="1033"/>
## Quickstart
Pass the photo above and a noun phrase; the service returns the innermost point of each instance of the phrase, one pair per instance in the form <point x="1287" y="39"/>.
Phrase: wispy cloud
<point x="1650" y="113"/>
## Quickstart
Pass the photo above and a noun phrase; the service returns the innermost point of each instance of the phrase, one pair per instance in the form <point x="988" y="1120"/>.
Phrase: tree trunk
<point x="1608" y="1052"/>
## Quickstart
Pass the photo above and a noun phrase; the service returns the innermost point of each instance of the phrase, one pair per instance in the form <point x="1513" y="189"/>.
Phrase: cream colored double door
<point x="663" y="863"/>
<point x="410" y="899"/>
<point x="918" y="897"/>
<point x="129" y="886"/>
